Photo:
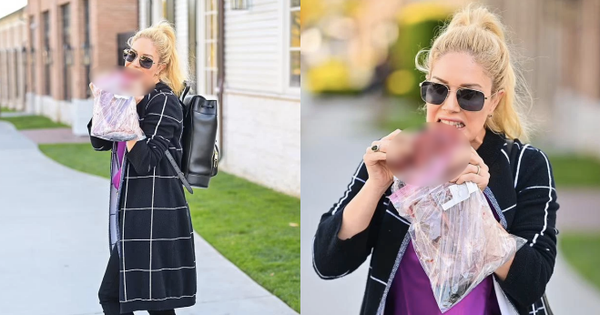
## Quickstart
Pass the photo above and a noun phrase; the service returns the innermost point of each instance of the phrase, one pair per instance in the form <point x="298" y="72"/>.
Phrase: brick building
<point x="13" y="48"/>
<point x="68" y="39"/>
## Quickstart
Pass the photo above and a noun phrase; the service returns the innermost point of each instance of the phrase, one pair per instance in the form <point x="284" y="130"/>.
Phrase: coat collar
<point x="490" y="148"/>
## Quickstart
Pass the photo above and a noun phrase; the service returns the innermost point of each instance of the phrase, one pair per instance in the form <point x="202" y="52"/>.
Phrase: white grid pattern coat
<point x="154" y="233"/>
<point x="522" y="192"/>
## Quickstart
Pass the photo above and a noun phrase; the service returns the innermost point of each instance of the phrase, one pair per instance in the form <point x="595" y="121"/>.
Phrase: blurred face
<point x="459" y="70"/>
<point x="143" y="59"/>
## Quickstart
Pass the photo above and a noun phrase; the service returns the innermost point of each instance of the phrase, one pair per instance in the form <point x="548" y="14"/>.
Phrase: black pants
<point x="109" y="289"/>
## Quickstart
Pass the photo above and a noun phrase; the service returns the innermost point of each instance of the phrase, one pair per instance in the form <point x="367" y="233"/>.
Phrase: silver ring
<point x="478" y="169"/>
<point x="375" y="148"/>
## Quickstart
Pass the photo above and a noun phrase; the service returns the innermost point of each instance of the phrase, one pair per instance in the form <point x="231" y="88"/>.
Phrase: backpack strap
<point x="179" y="172"/>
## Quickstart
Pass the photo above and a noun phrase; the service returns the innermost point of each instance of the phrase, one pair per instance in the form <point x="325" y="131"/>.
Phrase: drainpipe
<point x="221" y="68"/>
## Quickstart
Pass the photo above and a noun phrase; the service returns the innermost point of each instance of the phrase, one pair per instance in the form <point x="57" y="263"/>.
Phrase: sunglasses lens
<point x="129" y="55"/>
<point x="470" y="100"/>
<point x="433" y="93"/>
<point x="146" y="62"/>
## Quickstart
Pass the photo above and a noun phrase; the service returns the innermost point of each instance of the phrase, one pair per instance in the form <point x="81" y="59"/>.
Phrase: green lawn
<point x="582" y="251"/>
<point x="254" y="227"/>
<point x="32" y="122"/>
<point x="6" y="110"/>
<point x="573" y="170"/>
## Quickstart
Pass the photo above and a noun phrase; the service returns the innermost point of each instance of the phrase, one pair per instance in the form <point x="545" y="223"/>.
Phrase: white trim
<point x="380" y="281"/>
<point x="537" y="187"/>
<point x="506" y="307"/>
<point x="161" y="269"/>
<point x="163" y="299"/>
<point x="317" y="269"/>
<point x="519" y="165"/>
<point x="510" y="207"/>
<point x="151" y="229"/>
<point x="397" y="217"/>
<point x="502" y="150"/>
<point x="337" y="206"/>
<point x="547" y="203"/>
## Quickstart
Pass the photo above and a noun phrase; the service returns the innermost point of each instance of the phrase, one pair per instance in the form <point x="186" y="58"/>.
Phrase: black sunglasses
<point x="436" y="93"/>
<point x="145" y="62"/>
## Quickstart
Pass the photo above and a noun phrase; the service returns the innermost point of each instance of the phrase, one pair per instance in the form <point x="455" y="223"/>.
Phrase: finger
<point x="372" y="157"/>
<point x="383" y="145"/>
<point x="392" y="135"/>
<point x="470" y="178"/>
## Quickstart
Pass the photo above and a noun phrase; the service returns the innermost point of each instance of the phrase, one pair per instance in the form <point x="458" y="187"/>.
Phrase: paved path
<point x="335" y="133"/>
<point x="54" y="225"/>
<point x="54" y="135"/>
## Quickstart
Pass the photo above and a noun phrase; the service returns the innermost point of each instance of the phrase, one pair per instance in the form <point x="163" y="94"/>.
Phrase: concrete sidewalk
<point x="54" y="231"/>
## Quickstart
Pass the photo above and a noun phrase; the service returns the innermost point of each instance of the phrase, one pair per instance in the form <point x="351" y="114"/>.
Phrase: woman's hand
<point x="380" y="176"/>
<point x="472" y="173"/>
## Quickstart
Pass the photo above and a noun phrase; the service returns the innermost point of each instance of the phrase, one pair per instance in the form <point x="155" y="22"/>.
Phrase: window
<point x="294" y="44"/>
<point x="32" y="52"/>
<point x="47" y="53"/>
<point x="87" y="51"/>
<point x="210" y="47"/>
<point x="169" y="11"/>
<point x="66" y="44"/>
<point x="192" y="42"/>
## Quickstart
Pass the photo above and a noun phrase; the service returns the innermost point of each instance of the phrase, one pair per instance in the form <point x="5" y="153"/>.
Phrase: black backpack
<point x="200" y="159"/>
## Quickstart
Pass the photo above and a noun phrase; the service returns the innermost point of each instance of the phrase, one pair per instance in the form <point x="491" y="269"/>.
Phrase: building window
<point x="47" y="53"/>
<point x="66" y="44"/>
<point x="32" y="28"/>
<point x="192" y="43"/>
<point x="87" y="49"/>
<point x="210" y="47"/>
<point x="16" y="72"/>
<point x="169" y="11"/>
<point x="294" y="44"/>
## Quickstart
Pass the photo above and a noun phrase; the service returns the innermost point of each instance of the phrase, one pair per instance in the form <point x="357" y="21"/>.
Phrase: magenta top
<point x="411" y="293"/>
<point x="116" y="180"/>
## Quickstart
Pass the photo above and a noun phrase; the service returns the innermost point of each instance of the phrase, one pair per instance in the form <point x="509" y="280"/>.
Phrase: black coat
<point x="155" y="235"/>
<point x="521" y="190"/>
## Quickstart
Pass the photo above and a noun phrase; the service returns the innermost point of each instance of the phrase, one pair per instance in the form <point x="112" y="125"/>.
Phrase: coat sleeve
<point x="535" y="220"/>
<point x="333" y="257"/>
<point x="97" y="143"/>
<point x="162" y="118"/>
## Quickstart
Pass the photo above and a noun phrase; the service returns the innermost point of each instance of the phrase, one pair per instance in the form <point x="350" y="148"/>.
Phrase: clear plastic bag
<point x="115" y="116"/>
<point x="455" y="236"/>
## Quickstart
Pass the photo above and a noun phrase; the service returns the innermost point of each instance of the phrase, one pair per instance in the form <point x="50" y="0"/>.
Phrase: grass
<point x="79" y="156"/>
<point x="576" y="170"/>
<point x="32" y="122"/>
<point x="6" y="110"/>
<point x="582" y="251"/>
<point x="256" y="228"/>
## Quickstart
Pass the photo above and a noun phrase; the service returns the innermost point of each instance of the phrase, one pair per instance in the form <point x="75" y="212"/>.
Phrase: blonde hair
<point x="479" y="32"/>
<point x="163" y="36"/>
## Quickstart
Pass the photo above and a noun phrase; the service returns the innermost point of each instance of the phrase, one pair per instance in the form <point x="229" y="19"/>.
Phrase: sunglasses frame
<point x="485" y="98"/>
<point x="140" y="58"/>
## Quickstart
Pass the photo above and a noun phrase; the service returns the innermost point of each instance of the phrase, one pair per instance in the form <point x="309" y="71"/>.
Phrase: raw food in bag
<point x="115" y="113"/>
<point x="455" y="236"/>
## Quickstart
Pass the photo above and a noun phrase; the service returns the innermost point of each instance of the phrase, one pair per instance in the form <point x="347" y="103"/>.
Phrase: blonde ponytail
<point x="163" y="36"/>
<point x="480" y="33"/>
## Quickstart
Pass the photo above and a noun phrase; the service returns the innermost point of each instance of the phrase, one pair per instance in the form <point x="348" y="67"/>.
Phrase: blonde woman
<point x="471" y="84"/>
<point x="152" y="264"/>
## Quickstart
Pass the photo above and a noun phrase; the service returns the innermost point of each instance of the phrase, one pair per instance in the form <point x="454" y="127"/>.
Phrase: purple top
<point x="411" y="293"/>
<point x="116" y="180"/>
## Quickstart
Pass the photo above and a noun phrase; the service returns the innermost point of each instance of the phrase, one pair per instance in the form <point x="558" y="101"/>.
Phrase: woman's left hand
<point x="472" y="173"/>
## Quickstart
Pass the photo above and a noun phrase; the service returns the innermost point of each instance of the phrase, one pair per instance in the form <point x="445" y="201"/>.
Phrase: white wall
<point x="181" y="26"/>
<point x="262" y="141"/>
<point x="254" y="47"/>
